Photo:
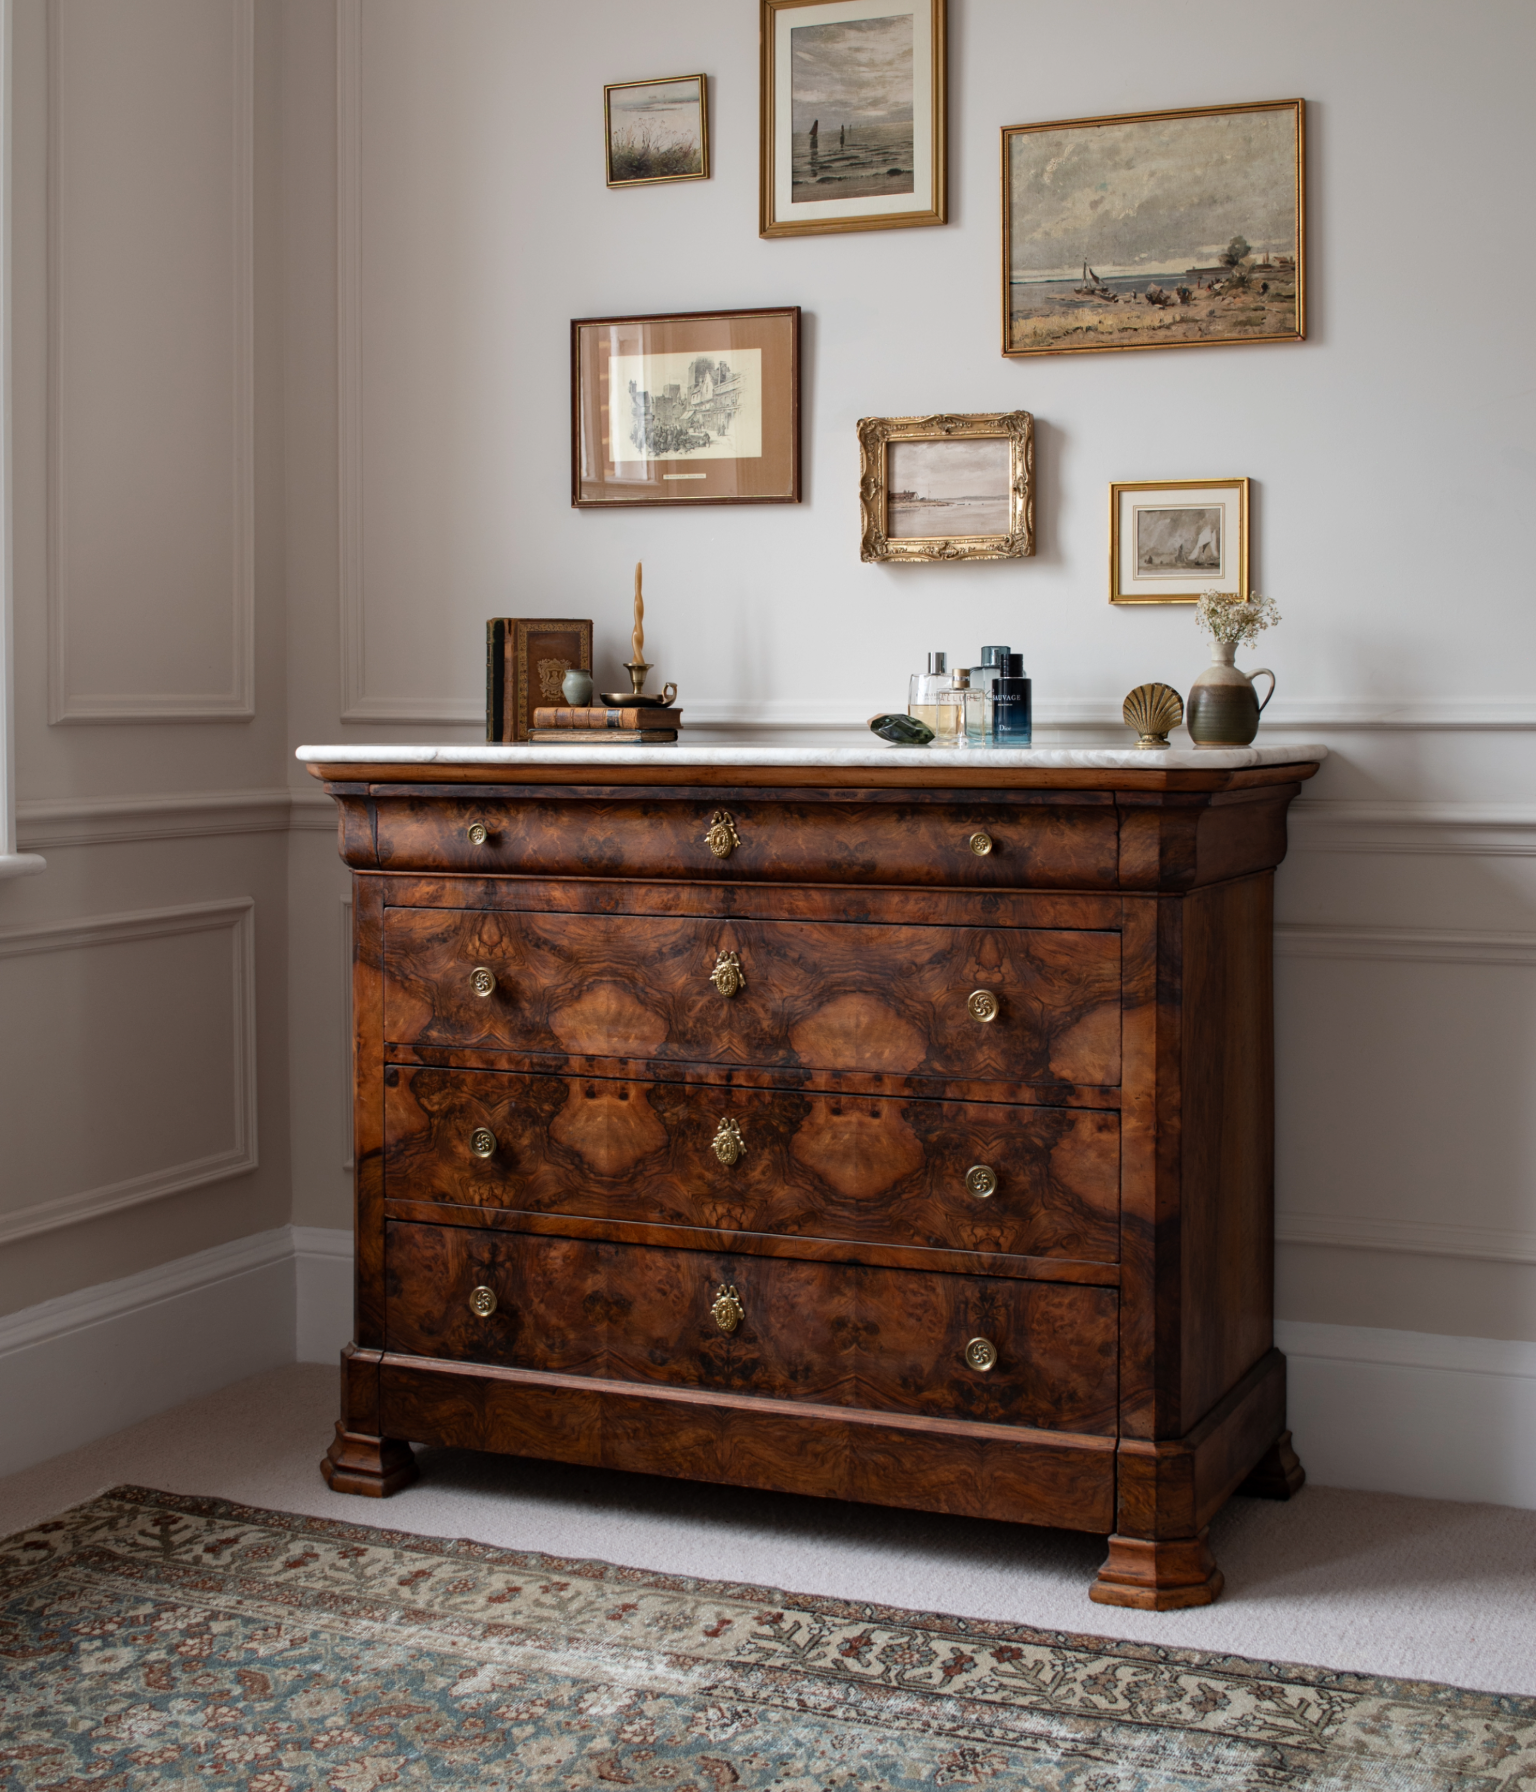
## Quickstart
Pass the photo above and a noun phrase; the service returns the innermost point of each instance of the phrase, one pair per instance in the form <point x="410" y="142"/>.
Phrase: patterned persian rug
<point x="154" y="1640"/>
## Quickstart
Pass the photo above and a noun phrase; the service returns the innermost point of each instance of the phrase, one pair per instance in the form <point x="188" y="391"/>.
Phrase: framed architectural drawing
<point x="656" y="130"/>
<point x="852" y="120"/>
<point x="1173" y="539"/>
<point x="947" y="487"/>
<point x="1155" y="230"/>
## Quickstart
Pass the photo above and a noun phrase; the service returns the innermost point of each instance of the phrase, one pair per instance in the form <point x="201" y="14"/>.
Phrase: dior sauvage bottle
<point x="1012" y="704"/>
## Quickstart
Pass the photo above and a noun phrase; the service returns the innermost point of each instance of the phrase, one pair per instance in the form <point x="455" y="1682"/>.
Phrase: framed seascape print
<point x="852" y="115"/>
<point x="947" y="487"/>
<point x="700" y="407"/>
<point x="1172" y="540"/>
<point x="656" y="130"/>
<point x="1154" y="230"/>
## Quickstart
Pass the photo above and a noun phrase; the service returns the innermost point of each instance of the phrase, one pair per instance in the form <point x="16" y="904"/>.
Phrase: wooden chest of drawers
<point x="892" y="1136"/>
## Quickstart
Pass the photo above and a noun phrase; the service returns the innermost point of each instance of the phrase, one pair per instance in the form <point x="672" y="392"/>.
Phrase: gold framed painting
<point x="1155" y="230"/>
<point x="694" y="407"/>
<point x="947" y="487"/>
<point x="1172" y="539"/>
<point x="656" y="130"/>
<point x="852" y="115"/>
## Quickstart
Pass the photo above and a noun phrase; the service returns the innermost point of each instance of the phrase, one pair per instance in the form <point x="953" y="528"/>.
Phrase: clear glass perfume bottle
<point x="924" y="693"/>
<point x="981" y="731"/>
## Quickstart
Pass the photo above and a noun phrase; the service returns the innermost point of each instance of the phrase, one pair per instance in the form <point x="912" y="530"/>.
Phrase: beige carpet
<point x="1369" y="1583"/>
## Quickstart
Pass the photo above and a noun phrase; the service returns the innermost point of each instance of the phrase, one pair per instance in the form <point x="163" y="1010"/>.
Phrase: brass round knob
<point x="981" y="1355"/>
<point x="981" y="1181"/>
<point x="728" y="1144"/>
<point x="726" y="1310"/>
<point x="482" y="1301"/>
<point x="983" y="1005"/>
<point x="477" y="833"/>
<point x="482" y="981"/>
<point x="722" y="838"/>
<point x="482" y="1141"/>
<point x="981" y="844"/>
<point x="726" y="976"/>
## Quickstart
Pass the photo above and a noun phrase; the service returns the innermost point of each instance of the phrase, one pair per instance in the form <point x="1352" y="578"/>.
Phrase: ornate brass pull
<point x="984" y="1006"/>
<point x="728" y="1144"/>
<point x="726" y="976"/>
<point x="482" y="1301"/>
<point x="727" y="1310"/>
<point x="981" y="1181"/>
<point x="482" y="1141"/>
<point x="477" y="833"/>
<point x="980" y="844"/>
<point x="482" y="981"/>
<point x="981" y="1355"/>
<point x="722" y="838"/>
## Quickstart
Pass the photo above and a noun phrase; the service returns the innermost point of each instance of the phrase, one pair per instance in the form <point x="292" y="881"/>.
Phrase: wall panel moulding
<point x="151" y="420"/>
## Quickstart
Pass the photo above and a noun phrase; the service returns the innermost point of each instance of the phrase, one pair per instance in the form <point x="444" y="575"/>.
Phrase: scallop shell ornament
<point x="1152" y="709"/>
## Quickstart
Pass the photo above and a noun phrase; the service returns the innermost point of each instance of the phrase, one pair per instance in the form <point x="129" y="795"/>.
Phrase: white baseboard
<point x="1413" y="1412"/>
<point x="323" y="1292"/>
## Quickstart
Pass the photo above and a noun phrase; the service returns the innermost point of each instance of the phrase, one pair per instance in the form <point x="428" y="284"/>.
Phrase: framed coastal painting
<point x="1155" y="230"/>
<point x="697" y="407"/>
<point x="947" y="487"/>
<point x="852" y="115"/>
<point x="656" y="130"/>
<point x="1174" y="539"/>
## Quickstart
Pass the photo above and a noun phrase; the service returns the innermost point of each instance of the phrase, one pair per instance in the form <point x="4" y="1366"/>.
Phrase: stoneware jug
<point x="577" y="687"/>
<point x="1223" y="709"/>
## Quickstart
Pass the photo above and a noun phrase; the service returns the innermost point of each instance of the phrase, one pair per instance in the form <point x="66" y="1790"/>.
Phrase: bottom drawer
<point x="960" y="1347"/>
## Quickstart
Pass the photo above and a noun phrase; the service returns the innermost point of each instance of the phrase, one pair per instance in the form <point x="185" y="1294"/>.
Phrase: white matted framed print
<point x="1171" y="540"/>
<point x="852" y="115"/>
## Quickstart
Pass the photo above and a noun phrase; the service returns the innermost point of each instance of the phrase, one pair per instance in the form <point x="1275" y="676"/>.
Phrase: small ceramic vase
<point x="1223" y="709"/>
<point x="577" y="687"/>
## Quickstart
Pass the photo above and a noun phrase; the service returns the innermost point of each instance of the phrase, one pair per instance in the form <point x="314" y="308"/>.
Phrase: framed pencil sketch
<point x="1173" y="539"/>
<point x="1155" y="230"/>
<point x="696" y="407"/>
<point x="947" y="487"/>
<point x="852" y="115"/>
<point x="656" y="130"/>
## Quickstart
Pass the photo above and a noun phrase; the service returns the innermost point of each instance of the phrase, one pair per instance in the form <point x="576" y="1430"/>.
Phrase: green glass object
<point x="901" y="731"/>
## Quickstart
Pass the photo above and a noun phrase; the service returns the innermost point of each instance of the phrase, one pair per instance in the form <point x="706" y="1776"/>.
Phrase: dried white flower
<point x="1227" y="618"/>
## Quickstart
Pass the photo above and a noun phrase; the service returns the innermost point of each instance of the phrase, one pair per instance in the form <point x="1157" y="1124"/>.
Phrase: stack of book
<point x="597" y="726"/>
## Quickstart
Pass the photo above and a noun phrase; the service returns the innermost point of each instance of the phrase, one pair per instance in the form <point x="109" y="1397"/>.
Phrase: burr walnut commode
<point x="896" y="1130"/>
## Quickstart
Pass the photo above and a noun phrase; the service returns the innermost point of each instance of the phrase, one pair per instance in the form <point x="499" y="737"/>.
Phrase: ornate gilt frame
<point x="656" y="180"/>
<point x="876" y="433"/>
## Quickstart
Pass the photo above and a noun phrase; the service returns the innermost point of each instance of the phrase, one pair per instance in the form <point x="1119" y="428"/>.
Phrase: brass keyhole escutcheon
<point x="726" y="976"/>
<point x="983" y="1005"/>
<point x="980" y="844"/>
<point x="482" y="1301"/>
<point x="478" y="834"/>
<point x="981" y="1355"/>
<point x="728" y="1144"/>
<point x="722" y="838"/>
<point x="981" y="1181"/>
<point x="482" y="981"/>
<point x="482" y="1141"/>
<point x="727" y="1310"/>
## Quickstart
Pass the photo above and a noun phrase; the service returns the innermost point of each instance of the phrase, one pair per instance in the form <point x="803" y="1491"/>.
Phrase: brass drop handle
<point x="722" y="838"/>
<point x="483" y="981"/>
<point x="981" y="1355"/>
<point x="726" y="976"/>
<point x="726" y="1310"/>
<point x="482" y="1141"/>
<point x="981" y="1181"/>
<point x="983" y="1005"/>
<point x="980" y="844"/>
<point x="478" y="834"/>
<point x="728" y="1144"/>
<point x="482" y="1301"/>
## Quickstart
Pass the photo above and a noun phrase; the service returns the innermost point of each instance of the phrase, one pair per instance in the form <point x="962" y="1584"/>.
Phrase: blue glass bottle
<point x="1012" y="704"/>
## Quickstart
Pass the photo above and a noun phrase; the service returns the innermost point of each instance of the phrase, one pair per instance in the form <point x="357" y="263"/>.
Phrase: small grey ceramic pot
<point x="1223" y="709"/>
<point x="577" y="686"/>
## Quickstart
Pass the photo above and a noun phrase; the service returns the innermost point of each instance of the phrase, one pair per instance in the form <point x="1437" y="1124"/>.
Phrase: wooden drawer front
<point x="879" y="1170"/>
<point x="819" y="995"/>
<point x="1058" y="842"/>
<point x="836" y="1334"/>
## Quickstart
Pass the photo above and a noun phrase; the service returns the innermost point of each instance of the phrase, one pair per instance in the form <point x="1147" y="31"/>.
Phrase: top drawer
<point x="1065" y="840"/>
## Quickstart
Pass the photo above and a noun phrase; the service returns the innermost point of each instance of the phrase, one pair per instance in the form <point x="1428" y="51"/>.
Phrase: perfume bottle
<point x="1012" y="704"/>
<point x="984" y="678"/>
<point x="923" y="696"/>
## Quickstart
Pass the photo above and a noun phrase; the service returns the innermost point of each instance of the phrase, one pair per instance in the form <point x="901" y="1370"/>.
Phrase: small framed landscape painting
<point x="1170" y="541"/>
<point x="656" y="130"/>
<point x="947" y="487"/>
<point x="699" y="407"/>
<point x="852" y="121"/>
<point x="1154" y="230"/>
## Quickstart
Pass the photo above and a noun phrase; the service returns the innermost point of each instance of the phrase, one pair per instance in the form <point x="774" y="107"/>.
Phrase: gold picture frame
<point x="1172" y="539"/>
<point x="947" y="487"/>
<point x="880" y="170"/>
<point x="1158" y="208"/>
<point x="668" y="141"/>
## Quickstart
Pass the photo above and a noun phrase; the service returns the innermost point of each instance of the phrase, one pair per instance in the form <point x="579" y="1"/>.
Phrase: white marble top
<point x="810" y="753"/>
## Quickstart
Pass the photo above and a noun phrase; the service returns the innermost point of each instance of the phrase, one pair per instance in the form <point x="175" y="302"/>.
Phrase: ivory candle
<point x="637" y="637"/>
